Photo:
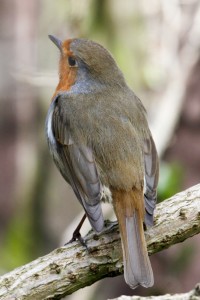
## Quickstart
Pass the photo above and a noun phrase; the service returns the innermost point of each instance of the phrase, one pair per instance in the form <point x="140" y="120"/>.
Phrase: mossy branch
<point x="67" y="269"/>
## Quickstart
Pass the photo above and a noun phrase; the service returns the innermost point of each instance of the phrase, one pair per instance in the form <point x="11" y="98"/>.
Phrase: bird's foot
<point x="77" y="236"/>
<point x="109" y="225"/>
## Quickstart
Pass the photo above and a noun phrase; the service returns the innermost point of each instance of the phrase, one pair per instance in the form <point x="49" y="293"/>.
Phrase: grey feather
<point x="77" y="165"/>
<point x="151" y="179"/>
<point x="137" y="266"/>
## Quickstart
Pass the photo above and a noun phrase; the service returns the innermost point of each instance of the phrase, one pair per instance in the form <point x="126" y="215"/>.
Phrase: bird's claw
<point x="77" y="236"/>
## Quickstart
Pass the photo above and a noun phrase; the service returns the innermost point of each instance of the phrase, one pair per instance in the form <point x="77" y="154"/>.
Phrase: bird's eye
<point x="72" y="61"/>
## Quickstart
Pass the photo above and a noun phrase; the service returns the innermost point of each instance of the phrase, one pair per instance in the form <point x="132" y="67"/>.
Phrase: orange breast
<point x="67" y="74"/>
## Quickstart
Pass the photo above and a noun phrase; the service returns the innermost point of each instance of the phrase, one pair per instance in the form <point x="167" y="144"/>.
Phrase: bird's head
<point x="86" y="61"/>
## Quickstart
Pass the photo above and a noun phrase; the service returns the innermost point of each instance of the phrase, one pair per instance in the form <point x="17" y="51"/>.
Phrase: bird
<point x="99" y="138"/>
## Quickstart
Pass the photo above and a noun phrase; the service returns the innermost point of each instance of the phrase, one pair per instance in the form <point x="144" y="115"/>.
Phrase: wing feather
<point x="78" y="167"/>
<point x="151" y="179"/>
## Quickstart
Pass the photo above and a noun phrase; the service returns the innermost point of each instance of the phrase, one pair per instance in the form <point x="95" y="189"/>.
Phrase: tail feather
<point x="137" y="260"/>
<point x="129" y="208"/>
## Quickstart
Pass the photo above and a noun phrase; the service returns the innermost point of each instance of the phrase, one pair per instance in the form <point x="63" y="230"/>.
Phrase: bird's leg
<point x="76" y="234"/>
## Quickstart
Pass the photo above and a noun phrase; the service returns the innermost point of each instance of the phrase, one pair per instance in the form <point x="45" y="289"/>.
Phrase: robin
<point x="99" y="138"/>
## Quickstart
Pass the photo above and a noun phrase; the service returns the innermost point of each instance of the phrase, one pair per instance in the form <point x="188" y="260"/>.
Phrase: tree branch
<point x="192" y="295"/>
<point x="72" y="267"/>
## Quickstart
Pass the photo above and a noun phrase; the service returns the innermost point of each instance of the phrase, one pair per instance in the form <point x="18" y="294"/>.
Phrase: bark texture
<point x="72" y="267"/>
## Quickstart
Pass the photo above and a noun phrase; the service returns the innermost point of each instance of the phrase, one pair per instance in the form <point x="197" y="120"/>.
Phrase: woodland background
<point x="157" y="45"/>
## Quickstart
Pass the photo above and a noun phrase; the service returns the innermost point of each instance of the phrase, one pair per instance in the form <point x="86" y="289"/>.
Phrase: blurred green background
<point x="156" y="44"/>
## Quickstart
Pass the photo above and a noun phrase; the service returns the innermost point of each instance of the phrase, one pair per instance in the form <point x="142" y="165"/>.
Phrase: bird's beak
<point x="56" y="41"/>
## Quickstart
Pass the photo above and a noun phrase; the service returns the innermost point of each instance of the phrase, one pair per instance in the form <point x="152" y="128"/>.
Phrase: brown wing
<point x="151" y="179"/>
<point x="77" y="165"/>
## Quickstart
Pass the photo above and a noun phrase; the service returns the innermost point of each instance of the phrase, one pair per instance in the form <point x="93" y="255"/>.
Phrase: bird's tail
<point x="129" y="209"/>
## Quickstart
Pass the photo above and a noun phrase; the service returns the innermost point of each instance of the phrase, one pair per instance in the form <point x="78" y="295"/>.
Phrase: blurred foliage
<point x="170" y="180"/>
<point x="27" y="236"/>
<point x="181" y="260"/>
<point x="18" y="243"/>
